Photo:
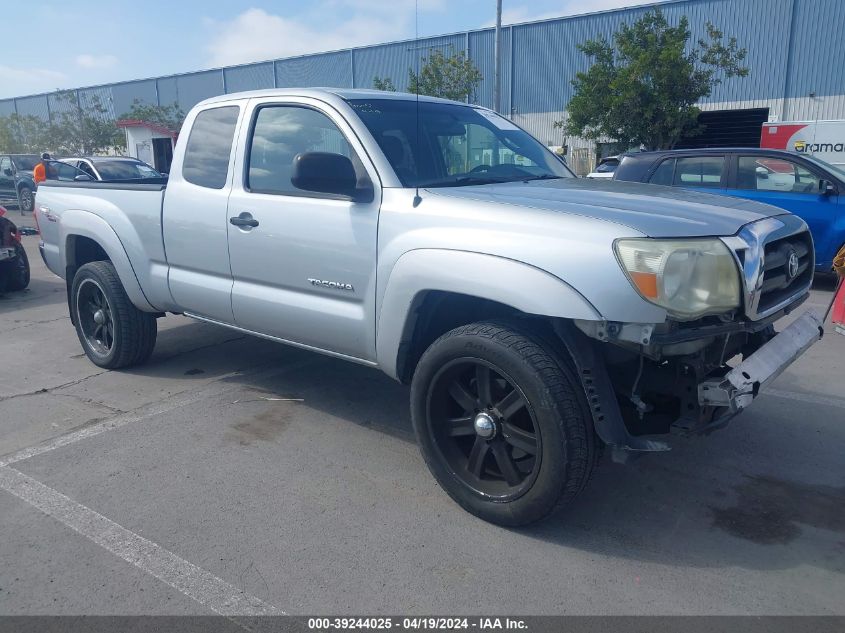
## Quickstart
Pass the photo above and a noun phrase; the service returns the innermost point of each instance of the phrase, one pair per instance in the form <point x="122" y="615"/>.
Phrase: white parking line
<point x="806" y="397"/>
<point x="193" y="581"/>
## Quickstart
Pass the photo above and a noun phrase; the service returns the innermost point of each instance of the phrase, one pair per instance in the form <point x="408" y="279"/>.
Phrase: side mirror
<point x="826" y="188"/>
<point x="7" y="171"/>
<point x="762" y="173"/>
<point x="324" y="172"/>
<point x="82" y="178"/>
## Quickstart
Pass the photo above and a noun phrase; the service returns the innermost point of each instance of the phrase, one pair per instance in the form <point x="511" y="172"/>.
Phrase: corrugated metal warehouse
<point x="795" y="54"/>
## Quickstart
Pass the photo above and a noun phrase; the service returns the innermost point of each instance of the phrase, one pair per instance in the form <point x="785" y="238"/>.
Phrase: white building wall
<point x="139" y="142"/>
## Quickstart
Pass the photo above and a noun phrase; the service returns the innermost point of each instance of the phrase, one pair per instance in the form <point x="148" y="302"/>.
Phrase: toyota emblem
<point x="792" y="265"/>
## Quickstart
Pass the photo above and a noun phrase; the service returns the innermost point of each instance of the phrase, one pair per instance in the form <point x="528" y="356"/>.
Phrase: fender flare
<point x="86" y="224"/>
<point x="506" y="281"/>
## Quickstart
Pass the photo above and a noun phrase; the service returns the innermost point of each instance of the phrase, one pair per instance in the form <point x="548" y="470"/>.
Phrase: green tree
<point x="453" y="76"/>
<point x="9" y="137"/>
<point x="24" y="134"/>
<point x="383" y="83"/>
<point x="643" y="89"/>
<point x="170" y="116"/>
<point x="79" y="128"/>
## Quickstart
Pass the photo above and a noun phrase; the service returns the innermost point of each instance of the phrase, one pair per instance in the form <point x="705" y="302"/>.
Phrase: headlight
<point x="690" y="278"/>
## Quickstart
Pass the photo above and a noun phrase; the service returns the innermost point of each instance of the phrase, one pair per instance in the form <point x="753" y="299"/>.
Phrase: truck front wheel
<point x="113" y="332"/>
<point x="502" y="423"/>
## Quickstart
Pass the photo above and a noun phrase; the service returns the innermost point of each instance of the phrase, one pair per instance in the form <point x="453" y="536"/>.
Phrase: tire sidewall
<point x="86" y="273"/>
<point x="551" y="478"/>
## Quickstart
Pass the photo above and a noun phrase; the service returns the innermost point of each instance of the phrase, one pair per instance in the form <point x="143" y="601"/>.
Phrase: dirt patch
<point x="264" y="427"/>
<point x="770" y="511"/>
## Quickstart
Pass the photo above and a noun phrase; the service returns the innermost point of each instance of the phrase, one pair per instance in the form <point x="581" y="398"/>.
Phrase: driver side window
<point x="764" y="173"/>
<point x="475" y="149"/>
<point x="280" y="133"/>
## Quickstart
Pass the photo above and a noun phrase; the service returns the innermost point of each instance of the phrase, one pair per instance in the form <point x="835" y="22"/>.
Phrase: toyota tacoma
<point x="538" y="318"/>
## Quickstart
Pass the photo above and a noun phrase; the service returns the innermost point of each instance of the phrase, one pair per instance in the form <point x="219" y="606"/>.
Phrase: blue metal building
<point x="795" y="53"/>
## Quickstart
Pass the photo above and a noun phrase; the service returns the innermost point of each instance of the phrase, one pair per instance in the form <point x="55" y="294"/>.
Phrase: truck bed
<point x="128" y="209"/>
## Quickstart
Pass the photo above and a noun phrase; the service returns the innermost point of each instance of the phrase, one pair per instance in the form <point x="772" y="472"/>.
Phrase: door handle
<point x="244" y="219"/>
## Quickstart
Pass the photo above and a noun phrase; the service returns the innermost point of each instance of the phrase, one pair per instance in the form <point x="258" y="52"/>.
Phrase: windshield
<point x="837" y="170"/>
<point x="25" y="163"/>
<point x="608" y="166"/>
<point x="453" y="145"/>
<point x="124" y="170"/>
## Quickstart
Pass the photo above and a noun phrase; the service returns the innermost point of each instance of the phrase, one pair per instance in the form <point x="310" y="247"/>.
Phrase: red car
<point x="14" y="264"/>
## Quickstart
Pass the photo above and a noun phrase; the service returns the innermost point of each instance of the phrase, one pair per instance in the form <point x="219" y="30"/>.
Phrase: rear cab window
<point x="209" y="148"/>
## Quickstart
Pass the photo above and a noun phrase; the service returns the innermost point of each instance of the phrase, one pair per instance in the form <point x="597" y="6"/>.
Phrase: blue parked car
<point x="810" y="188"/>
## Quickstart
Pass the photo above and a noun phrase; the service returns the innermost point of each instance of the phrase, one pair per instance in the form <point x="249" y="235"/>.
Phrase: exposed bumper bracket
<point x="738" y="388"/>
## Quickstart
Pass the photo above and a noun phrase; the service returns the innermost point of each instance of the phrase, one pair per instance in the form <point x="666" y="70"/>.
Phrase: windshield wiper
<point x="465" y="180"/>
<point x="543" y="177"/>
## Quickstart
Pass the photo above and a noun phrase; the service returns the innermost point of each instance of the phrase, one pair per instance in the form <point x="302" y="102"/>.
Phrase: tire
<point x="452" y="414"/>
<point x="17" y="272"/>
<point x="26" y="200"/>
<point x="121" y="335"/>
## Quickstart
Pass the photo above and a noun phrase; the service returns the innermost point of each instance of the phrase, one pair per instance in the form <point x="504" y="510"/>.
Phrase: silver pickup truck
<point x="537" y="317"/>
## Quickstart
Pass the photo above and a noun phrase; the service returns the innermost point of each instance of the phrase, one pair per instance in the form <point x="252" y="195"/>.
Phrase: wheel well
<point x="80" y="250"/>
<point x="436" y="312"/>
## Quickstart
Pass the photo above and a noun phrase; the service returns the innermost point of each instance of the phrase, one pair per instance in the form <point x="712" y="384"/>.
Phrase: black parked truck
<point x="16" y="183"/>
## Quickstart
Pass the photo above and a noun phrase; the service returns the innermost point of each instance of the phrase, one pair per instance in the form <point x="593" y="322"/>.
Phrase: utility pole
<point x="497" y="53"/>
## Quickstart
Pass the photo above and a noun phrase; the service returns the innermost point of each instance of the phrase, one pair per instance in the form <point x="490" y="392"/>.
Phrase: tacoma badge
<point x="335" y="285"/>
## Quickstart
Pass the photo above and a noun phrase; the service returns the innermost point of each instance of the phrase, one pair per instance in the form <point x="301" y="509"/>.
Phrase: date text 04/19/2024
<point x="417" y="624"/>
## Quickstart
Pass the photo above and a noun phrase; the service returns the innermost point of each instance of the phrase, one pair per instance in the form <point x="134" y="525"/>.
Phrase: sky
<point x="85" y="43"/>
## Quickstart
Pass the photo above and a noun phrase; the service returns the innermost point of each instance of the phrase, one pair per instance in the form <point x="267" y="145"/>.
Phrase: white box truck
<point x="823" y="139"/>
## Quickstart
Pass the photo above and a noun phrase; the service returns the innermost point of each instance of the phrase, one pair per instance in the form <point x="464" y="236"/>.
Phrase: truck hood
<point x="650" y="209"/>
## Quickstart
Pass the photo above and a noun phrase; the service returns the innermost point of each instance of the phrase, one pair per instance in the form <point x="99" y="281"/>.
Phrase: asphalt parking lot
<point x="234" y="475"/>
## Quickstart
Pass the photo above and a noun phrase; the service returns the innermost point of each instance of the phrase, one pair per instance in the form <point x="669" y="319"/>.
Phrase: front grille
<point x="781" y="280"/>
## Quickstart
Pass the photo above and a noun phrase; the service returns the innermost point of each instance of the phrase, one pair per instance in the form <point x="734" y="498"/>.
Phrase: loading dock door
<point x="728" y="128"/>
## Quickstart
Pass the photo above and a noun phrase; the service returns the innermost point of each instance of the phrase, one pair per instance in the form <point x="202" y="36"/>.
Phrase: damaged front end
<point x="685" y="375"/>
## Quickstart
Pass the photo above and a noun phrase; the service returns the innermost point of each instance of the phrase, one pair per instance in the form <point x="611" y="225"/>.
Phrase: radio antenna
<point x="417" y="198"/>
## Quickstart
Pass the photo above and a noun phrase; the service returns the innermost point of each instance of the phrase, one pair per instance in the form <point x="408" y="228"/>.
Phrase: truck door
<point x="194" y="215"/>
<point x="303" y="263"/>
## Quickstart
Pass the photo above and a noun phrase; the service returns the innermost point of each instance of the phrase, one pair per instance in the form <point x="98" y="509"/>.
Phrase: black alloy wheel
<point x="484" y="428"/>
<point x="95" y="317"/>
<point x="503" y="422"/>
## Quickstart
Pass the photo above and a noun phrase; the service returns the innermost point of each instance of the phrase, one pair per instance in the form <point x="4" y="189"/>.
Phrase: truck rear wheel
<point x="113" y="332"/>
<point x="26" y="199"/>
<point x="502" y="423"/>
